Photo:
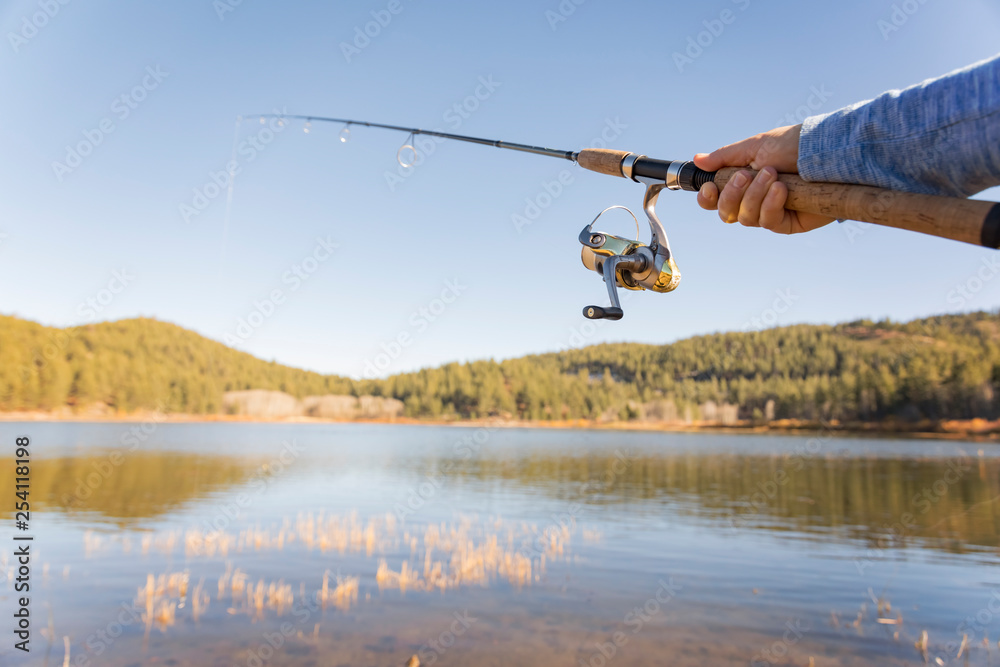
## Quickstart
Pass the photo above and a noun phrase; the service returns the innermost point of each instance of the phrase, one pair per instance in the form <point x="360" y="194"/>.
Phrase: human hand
<point x="760" y="201"/>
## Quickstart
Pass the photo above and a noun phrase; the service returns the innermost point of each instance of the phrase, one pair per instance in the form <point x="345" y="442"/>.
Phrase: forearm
<point x="938" y="137"/>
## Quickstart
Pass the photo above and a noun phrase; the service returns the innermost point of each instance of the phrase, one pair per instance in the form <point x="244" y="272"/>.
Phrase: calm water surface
<point x="249" y="544"/>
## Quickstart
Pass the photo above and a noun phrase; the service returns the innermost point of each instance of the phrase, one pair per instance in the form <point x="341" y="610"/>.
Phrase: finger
<point x="739" y="154"/>
<point x="772" y="209"/>
<point x="754" y="195"/>
<point x="708" y="196"/>
<point x="732" y="195"/>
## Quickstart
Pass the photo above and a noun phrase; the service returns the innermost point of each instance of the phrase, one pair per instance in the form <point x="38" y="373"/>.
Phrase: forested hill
<point x="135" y="364"/>
<point x="940" y="367"/>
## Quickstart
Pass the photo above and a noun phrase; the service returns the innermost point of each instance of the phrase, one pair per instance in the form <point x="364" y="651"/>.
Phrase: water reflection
<point x="921" y="501"/>
<point x="941" y="503"/>
<point x="122" y="489"/>
<point x="215" y="555"/>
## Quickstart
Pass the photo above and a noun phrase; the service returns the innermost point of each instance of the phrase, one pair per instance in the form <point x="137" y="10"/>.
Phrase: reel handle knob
<point x="599" y="313"/>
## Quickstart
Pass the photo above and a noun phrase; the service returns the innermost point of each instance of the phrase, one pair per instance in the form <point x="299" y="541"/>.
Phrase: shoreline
<point x="979" y="430"/>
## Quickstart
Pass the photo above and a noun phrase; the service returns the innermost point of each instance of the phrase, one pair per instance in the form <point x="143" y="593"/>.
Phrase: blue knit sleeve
<point x="941" y="137"/>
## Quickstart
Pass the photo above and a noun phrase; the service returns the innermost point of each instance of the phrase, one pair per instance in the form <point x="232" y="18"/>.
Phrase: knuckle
<point x="731" y="196"/>
<point x="762" y="182"/>
<point x="771" y="221"/>
<point x="749" y="216"/>
<point x="756" y="192"/>
<point x="729" y="208"/>
<point x="771" y="211"/>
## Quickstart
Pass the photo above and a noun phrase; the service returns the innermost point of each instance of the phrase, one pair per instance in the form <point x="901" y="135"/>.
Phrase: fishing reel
<point x="628" y="263"/>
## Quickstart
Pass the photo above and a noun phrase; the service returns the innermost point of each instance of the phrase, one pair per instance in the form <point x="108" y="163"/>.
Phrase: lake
<point x="354" y="544"/>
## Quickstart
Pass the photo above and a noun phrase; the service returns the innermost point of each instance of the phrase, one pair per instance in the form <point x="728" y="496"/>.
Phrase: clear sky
<point x="149" y="93"/>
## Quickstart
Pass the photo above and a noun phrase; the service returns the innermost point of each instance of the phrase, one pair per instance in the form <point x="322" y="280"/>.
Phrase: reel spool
<point x="628" y="263"/>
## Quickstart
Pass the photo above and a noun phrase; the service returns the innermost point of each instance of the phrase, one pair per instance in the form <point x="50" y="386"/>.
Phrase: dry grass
<point x="433" y="557"/>
<point x="343" y="596"/>
<point x="160" y="598"/>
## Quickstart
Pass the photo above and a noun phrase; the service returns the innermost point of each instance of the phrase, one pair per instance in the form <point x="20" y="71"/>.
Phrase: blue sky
<point x="343" y="258"/>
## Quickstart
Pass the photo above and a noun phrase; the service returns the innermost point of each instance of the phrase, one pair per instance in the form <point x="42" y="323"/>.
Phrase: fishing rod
<point x="634" y="265"/>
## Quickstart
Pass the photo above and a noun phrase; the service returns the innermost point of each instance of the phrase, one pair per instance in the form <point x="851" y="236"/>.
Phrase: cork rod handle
<point x="966" y="220"/>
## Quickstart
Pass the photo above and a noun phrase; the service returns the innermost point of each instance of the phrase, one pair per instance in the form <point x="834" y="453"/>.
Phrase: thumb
<point x="739" y="154"/>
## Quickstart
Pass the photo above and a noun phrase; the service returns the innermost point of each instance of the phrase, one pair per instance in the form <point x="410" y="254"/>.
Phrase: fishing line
<point x="229" y="196"/>
<point x="633" y="265"/>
